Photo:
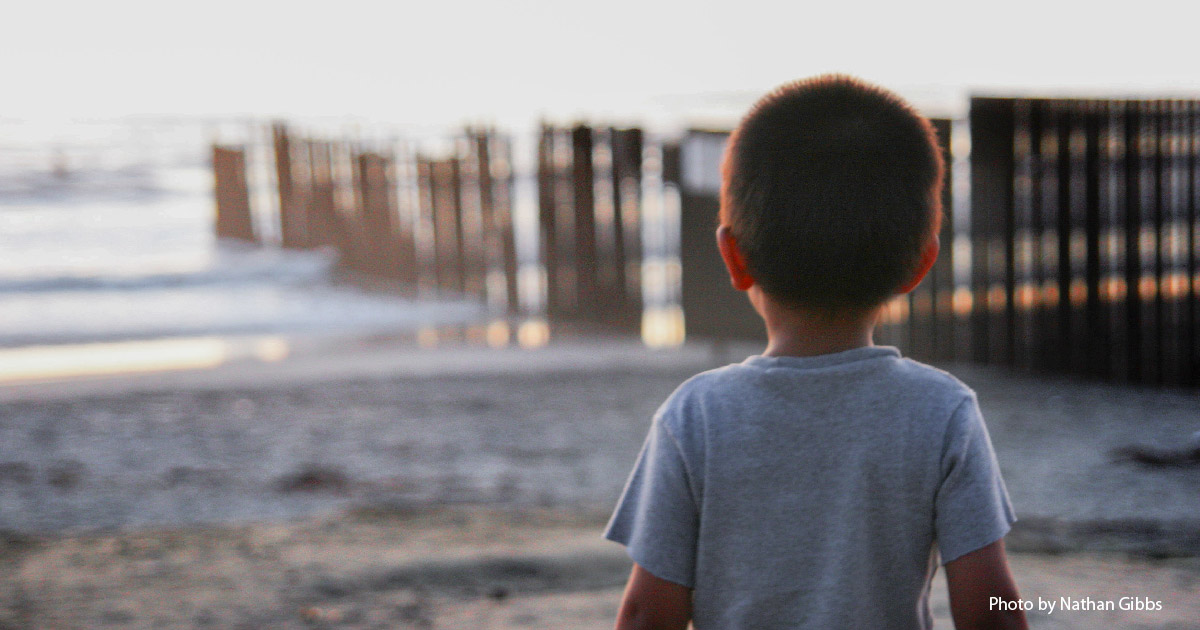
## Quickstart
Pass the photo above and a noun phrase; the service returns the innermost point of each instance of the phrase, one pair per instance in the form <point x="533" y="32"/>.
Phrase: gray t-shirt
<point x="813" y="492"/>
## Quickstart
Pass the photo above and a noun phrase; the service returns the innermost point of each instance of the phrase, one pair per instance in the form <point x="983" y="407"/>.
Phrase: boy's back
<point x="808" y="487"/>
<point x="811" y="491"/>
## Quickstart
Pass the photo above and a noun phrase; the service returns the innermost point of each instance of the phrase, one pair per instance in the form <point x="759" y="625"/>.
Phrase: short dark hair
<point x="832" y="188"/>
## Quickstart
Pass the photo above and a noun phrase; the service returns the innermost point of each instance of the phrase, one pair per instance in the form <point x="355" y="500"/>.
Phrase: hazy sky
<point x="451" y="60"/>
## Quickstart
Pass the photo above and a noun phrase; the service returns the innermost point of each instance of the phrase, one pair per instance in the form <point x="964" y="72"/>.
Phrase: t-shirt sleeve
<point x="972" y="508"/>
<point x="656" y="517"/>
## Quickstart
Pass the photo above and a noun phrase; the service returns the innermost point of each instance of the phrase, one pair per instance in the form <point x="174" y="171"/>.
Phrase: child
<point x="816" y="485"/>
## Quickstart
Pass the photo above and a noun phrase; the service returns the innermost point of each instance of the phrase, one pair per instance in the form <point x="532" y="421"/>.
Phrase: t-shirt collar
<point x="824" y="360"/>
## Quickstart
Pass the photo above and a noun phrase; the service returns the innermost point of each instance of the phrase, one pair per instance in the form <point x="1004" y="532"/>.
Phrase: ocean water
<point x="106" y="235"/>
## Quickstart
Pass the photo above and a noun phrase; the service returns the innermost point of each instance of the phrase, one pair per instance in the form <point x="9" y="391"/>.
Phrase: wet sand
<point x="243" y="450"/>
<point x="368" y="486"/>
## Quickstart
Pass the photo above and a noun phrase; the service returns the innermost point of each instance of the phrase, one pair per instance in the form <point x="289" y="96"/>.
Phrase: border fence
<point x="1082" y="232"/>
<point x="589" y="184"/>
<point x="445" y="221"/>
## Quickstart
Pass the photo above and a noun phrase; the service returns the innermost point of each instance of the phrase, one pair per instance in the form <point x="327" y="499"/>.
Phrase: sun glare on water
<point x="50" y="363"/>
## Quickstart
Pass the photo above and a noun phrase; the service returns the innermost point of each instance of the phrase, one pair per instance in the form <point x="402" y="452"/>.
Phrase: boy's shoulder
<point x="750" y="382"/>
<point x="687" y="403"/>
<point x="889" y="368"/>
<point x="713" y="384"/>
<point x="938" y="382"/>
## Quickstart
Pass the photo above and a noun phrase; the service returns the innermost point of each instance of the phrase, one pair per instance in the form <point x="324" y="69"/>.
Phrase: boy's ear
<point x="735" y="262"/>
<point x="928" y="257"/>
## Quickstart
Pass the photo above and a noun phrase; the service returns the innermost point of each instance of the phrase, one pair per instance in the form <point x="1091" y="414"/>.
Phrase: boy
<point x="815" y="485"/>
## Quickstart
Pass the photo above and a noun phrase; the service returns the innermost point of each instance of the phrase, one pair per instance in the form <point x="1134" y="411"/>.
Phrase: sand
<point x="464" y="567"/>
<point x="370" y="486"/>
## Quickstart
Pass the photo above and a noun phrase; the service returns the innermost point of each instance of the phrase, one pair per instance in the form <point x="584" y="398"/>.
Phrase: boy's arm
<point x="973" y="580"/>
<point x="652" y="603"/>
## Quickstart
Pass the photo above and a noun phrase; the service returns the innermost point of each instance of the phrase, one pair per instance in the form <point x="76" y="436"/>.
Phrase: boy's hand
<point x="973" y="580"/>
<point x="652" y="603"/>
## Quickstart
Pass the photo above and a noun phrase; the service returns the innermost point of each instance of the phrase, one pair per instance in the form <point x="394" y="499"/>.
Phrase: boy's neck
<point x="797" y="332"/>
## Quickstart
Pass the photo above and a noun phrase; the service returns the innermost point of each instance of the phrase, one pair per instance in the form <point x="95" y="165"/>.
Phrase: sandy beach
<point x="373" y="485"/>
<point x="442" y="568"/>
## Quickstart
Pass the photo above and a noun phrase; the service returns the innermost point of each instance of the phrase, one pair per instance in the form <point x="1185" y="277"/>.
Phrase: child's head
<point x="831" y="188"/>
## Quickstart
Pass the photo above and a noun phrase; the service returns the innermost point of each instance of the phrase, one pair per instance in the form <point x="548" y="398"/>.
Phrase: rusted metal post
<point x="991" y="229"/>
<point x="232" y="194"/>
<point x="291" y="209"/>
<point x="501" y="167"/>
<point x="1093" y="334"/>
<point x="1095" y="354"/>
<point x="1140" y="211"/>
<point x="1175" y="366"/>
<point x="426" y="224"/>
<point x="488" y="256"/>
<point x="1027" y="211"/>
<point x="1154" y="257"/>
<point x="1191" y="358"/>
<point x="1069" y="230"/>
<point x="713" y="309"/>
<point x="374" y="217"/>
<point x="320" y="195"/>
<point x="547" y="175"/>
<point x="470" y="211"/>
<point x="607" y="296"/>
<point x="627" y="259"/>
<point x="493" y="170"/>
<point x="1111" y="188"/>
<point x="585" y="223"/>
<point x="448" y="241"/>
<point x="403" y="214"/>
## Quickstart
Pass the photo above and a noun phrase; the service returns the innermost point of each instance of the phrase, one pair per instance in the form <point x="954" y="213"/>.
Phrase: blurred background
<point x="356" y="315"/>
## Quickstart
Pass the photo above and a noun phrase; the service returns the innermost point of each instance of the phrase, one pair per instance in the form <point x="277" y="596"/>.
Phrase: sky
<point x="449" y="61"/>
